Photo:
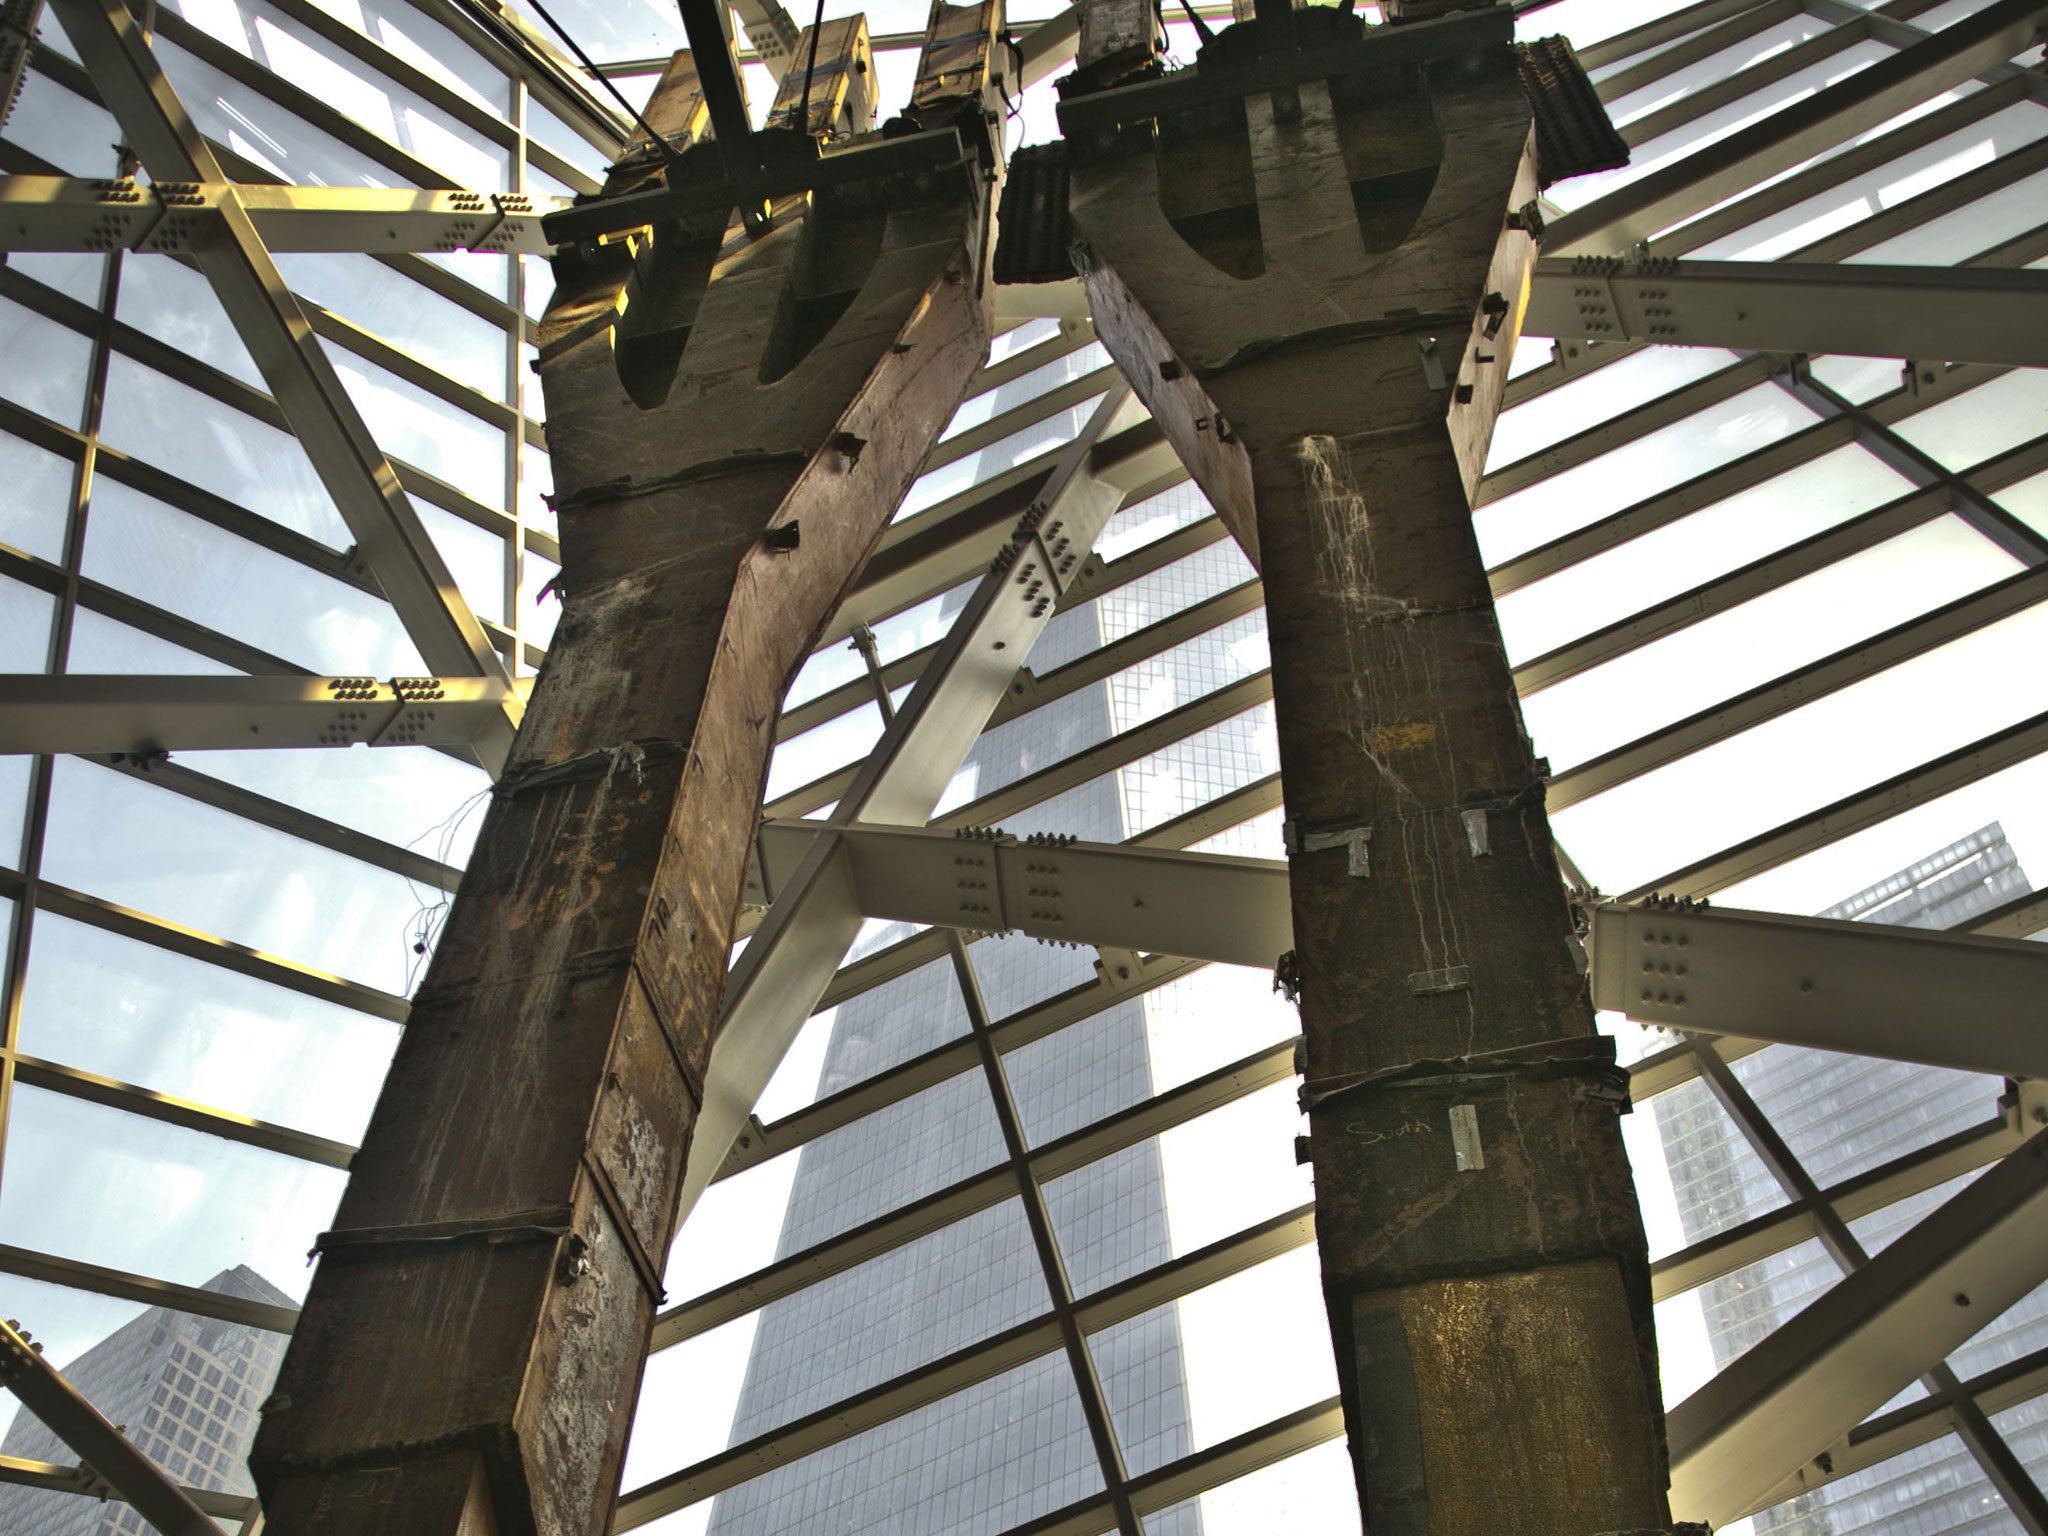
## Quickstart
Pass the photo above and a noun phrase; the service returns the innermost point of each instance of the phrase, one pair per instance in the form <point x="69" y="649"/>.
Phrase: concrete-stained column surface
<point x="733" y="420"/>
<point x="1319" y="305"/>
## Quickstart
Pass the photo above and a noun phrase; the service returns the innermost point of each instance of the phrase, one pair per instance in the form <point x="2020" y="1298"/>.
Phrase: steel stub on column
<point x="752" y="346"/>
<point x="1310" y="256"/>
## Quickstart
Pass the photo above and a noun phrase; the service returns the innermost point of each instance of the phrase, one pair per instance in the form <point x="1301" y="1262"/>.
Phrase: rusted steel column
<point x="733" y="420"/>
<point x="1317" y="294"/>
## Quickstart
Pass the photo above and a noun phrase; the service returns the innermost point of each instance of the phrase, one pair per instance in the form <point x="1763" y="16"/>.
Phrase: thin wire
<point x="803" y="111"/>
<point x="661" y="144"/>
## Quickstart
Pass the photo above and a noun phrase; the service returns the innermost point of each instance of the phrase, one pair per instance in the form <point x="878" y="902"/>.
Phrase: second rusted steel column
<point x="733" y="420"/>
<point x="1317" y="295"/>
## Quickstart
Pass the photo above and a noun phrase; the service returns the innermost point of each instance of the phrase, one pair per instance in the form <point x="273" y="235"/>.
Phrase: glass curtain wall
<point x="208" y="958"/>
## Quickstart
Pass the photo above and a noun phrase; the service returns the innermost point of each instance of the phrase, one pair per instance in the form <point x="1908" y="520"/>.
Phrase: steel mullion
<point x="1955" y="620"/>
<point x="1650" y="34"/>
<point x="1698" y="45"/>
<point x="1095" y="1408"/>
<point x="260" y="810"/>
<point x="1890" y="24"/>
<point x="126" y="1285"/>
<point x="1019" y="418"/>
<point x="1115" y="752"/>
<point x="1619" y="431"/>
<point x="978" y="1191"/>
<point x="1994" y="1458"/>
<point x="1757" y="579"/>
<point x="1766" y="72"/>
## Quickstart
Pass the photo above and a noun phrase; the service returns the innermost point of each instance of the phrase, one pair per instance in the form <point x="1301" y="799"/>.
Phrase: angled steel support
<point x="63" y="213"/>
<point x="99" y="1445"/>
<point x="1957" y="314"/>
<point x="390" y="541"/>
<point x="1796" y="133"/>
<point x="1735" y="1441"/>
<point x="787" y="966"/>
<point x="733" y="419"/>
<point x="142" y="715"/>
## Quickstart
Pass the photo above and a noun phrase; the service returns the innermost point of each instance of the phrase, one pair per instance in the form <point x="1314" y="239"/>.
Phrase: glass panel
<point x="104" y="645"/>
<point x="2025" y="1428"/>
<point x="427" y="46"/>
<point x="475" y="558"/>
<point x="1859" y="379"/>
<point x="1844" y="1115"/>
<point x="810" y="755"/>
<point x="896" y="636"/>
<point x="976" y="1463"/>
<point x="1025" y="388"/>
<point x="1019" y="447"/>
<point x="1694" y="668"/>
<point x="1716" y="67"/>
<point x="1695" y="1173"/>
<point x="62" y="129"/>
<point x="80" y="274"/>
<point x="424" y="430"/>
<point x="177" y="305"/>
<point x="1968" y="428"/>
<point x="46" y="364"/>
<point x="1955" y="237"/>
<point x="14" y="785"/>
<point x="1679" y="556"/>
<point x="1572" y="407"/>
<point x="217" y="448"/>
<point x="1704" y="1330"/>
<point x="854" y="1330"/>
<point x="1872" y="192"/>
<point x="865" y="1036"/>
<point x="414" y="797"/>
<point x="273" y="138"/>
<point x="94" y="1184"/>
<point x="1313" y="1491"/>
<point x="1670" y="456"/>
<point x="186" y="565"/>
<point x="137" y="844"/>
<point x="1021" y="338"/>
<point x="1718" y="124"/>
<point x="1124" y="610"/>
<point x="1237" y="1377"/>
<point x="1146" y="522"/>
<point x="2017" y="1332"/>
<point x="26" y="614"/>
<point x="1878" y="1230"/>
<point x="394" y="114"/>
<point x="143" y="1015"/>
<point x="1016" y="973"/>
<point x="1193" y="1185"/>
<point x="1809" y="758"/>
<point x="185" y="1388"/>
<point x="437" y="331"/>
<point x="2028" y="501"/>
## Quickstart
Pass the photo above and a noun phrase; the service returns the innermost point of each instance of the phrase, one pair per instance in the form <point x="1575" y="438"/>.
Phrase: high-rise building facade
<point x="185" y="1389"/>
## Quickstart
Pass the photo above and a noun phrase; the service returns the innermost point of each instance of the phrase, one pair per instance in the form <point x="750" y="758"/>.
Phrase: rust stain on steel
<point x="555" y="1054"/>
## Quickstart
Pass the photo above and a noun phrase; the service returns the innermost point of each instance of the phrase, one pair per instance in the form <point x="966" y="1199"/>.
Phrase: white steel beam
<point x="390" y="540"/>
<point x="1970" y="314"/>
<point x="1953" y="1000"/>
<point x="1891" y="1321"/>
<point x="143" y="715"/>
<point x="1796" y="133"/>
<point x="789" y="962"/>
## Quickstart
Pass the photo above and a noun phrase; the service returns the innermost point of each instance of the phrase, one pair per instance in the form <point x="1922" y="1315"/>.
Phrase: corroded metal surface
<point x="1318" y="298"/>
<point x="733" y="418"/>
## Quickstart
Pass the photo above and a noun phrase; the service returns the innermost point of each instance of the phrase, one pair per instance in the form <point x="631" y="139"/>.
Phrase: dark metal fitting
<point x="575" y="1262"/>
<point x="782" y="538"/>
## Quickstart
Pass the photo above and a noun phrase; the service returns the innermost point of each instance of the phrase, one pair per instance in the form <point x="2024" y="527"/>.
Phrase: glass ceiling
<point x="207" y="959"/>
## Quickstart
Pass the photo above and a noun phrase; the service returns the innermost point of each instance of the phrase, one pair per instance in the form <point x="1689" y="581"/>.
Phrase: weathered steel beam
<point x="733" y="419"/>
<point x="1316" y="287"/>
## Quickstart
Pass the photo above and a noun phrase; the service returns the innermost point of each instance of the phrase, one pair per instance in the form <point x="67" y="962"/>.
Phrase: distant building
<point x="1842" y="1115"/>
<point x="185" y="1388"/>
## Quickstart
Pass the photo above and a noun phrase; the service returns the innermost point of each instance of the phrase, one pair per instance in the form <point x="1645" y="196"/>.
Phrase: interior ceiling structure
<point x="1767" y="527"/>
